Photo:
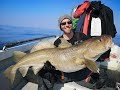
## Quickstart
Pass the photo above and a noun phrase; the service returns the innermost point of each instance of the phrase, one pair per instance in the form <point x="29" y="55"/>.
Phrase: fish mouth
<point x="108" y="47"/>
<point x="110" y="43"/>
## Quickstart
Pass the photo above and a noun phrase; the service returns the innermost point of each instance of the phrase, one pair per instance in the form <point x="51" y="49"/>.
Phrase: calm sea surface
<point x="12" y="34"/>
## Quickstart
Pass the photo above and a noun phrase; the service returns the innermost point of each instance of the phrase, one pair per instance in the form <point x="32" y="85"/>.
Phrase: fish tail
<point x="10" y="74"/>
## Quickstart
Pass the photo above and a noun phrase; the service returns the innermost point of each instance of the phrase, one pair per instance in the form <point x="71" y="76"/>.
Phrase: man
<point x="65" y="25"/>
<point x="50" y="75"/>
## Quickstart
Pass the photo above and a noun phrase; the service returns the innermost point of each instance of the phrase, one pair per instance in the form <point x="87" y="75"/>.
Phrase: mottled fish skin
<point x="69" y="59"/>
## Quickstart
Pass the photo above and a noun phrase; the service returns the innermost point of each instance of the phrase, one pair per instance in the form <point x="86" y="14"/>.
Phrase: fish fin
<point x="42" y="45"/>
<point x="92" y="66"/>
<point x="36" y="69"/>
<point x="64" y="43"/>
<point x="10" y="74"/>
<point x="17" y="55"/>
<point x="23" y="70"/>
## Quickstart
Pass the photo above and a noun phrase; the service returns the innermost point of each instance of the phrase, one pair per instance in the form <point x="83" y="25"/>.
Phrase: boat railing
<point x="8" y="45"/>
<point x="23" y="46"/>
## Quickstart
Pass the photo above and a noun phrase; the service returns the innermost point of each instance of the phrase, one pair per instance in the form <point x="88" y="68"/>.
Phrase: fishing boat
<point x="110" y="68"/>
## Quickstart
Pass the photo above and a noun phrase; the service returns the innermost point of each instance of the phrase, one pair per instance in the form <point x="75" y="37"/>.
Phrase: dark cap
<point x="61" y="18"/>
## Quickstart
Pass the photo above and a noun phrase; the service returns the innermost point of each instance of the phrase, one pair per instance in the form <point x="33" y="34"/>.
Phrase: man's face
<point x="66" y="26"/>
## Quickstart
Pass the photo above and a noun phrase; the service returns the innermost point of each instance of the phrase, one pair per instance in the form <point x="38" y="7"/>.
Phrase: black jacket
<point x="106" y="16"/>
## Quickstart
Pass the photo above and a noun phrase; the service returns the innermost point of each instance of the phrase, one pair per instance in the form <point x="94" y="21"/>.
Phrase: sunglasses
<point x="64" y="23"/>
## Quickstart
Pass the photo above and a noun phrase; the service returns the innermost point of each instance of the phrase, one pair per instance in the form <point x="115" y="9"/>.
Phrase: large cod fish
<point x="69" y="59"/>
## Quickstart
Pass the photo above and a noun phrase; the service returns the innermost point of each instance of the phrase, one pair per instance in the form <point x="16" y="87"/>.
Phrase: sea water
<point x="10" y="34"/>
<point x="116" y="39"/>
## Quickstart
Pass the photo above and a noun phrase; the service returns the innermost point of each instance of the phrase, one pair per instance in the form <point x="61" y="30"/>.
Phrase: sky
<point x="45" y="13"/>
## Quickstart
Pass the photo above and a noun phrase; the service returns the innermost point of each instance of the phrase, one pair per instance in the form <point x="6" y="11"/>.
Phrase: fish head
<point x="97" y="46"/>
<point x="101" y="43"/>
